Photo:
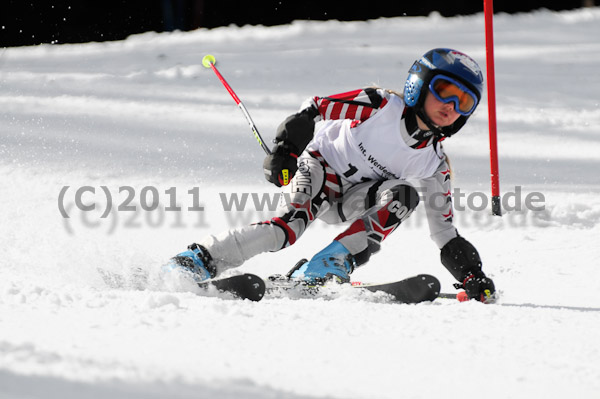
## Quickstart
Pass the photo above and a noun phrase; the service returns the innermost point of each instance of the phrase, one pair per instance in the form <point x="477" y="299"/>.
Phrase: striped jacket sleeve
<point x="357" y="105"/>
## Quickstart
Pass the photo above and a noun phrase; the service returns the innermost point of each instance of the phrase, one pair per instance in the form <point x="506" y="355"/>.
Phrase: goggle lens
<point x="446" y="89"/>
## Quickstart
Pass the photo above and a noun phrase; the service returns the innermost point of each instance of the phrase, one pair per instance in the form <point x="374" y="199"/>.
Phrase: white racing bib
<point x="374" y="149"/>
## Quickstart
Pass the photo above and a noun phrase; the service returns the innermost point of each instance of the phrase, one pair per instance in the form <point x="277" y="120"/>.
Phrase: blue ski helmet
<point x="447" y="62"/>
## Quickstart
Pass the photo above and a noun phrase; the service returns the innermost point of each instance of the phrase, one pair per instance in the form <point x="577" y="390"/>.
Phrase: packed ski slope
<point x="143" y="121"/>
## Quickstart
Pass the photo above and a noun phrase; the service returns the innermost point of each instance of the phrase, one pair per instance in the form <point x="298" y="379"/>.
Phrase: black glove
<point x="281" y="165"/>
<point x="293" y="135"/>
<point x="462" y="260"/>
<point x="480" y="288"/>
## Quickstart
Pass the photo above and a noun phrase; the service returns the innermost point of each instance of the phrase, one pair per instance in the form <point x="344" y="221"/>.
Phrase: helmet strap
<point x="436" y="130"/>
<point x="440" y="132"/>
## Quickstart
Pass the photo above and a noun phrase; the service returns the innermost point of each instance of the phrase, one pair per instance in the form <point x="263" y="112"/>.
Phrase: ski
<point x="414" y="289"/>
<point x="420" y="288"/>
<point x="243" y="286"/>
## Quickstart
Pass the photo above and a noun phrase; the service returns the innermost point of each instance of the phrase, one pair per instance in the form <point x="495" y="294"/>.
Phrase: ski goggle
<point x="447" y="89"/>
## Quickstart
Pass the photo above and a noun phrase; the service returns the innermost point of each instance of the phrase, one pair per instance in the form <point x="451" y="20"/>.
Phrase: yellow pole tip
<point x="208" y="60"/>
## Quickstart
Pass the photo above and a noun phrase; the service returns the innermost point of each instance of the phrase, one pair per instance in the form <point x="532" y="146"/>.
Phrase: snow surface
<point x="144" y="113"/>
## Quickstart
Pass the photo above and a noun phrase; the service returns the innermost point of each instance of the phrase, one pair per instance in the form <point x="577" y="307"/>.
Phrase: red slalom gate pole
<point x="488" y="10"/>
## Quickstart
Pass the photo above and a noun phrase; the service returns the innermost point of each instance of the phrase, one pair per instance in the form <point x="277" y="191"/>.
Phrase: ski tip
<point x="256" y="287"/>
<point x="242" y="286"/>
<point x="208" y="60"/>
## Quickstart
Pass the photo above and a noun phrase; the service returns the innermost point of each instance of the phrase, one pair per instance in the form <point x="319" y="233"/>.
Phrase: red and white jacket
<point x="365" y="131"/>
<point x="362" y="135"/>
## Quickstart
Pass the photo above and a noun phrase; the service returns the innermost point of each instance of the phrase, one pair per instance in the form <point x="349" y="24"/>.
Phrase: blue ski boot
<point x="334" y="262"/>
<point x="196" y="260"/>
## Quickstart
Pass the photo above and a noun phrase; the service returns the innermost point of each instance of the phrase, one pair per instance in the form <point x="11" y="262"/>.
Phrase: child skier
<point x="356" y="167"/>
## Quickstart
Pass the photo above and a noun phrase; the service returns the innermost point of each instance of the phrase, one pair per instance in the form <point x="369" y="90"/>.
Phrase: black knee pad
<point x="404" y="200"/>
<point x="409" y="195"/>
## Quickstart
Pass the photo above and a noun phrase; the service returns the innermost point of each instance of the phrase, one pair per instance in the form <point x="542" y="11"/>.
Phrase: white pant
<point x="316" y="191"/>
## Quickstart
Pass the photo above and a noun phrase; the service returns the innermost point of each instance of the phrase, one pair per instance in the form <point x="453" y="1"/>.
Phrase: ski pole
<point x="209" y="61"/>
